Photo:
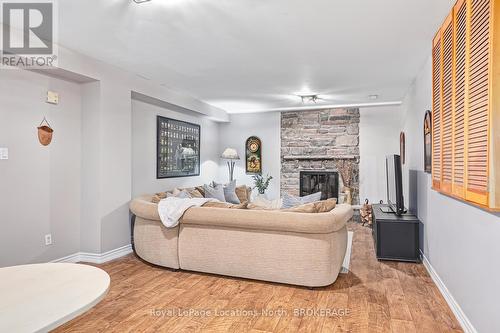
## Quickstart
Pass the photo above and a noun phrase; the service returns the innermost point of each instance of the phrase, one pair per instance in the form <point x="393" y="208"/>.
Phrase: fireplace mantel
<point x="318" y="157"/>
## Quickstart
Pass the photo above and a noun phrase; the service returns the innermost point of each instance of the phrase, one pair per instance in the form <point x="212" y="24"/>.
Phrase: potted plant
<point x="262" y="183"/>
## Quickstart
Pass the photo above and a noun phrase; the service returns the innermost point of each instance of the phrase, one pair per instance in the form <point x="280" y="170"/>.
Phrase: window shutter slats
<point x="479" y="105"/>
<point x="436" y="119"/>
<point x="460" y="47"/>
<point x="447" y="109"/>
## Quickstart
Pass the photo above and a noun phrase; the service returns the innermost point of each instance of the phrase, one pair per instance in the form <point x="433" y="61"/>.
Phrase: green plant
<point x="261" y="183"/>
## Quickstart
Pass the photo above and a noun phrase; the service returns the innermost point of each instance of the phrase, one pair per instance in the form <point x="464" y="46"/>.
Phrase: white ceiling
<point x="252" y="55"/>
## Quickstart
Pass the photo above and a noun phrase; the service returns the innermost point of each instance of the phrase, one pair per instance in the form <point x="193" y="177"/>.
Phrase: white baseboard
<point x="96" y="258"/>
<point x="455" y="307"/>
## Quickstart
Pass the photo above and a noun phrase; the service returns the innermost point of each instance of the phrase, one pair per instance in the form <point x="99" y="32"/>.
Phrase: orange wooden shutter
<point x="436" y="112"/>
<point x="447" y="108"/>
<point x="478" y="103"/>
<point x="460" y="70"/>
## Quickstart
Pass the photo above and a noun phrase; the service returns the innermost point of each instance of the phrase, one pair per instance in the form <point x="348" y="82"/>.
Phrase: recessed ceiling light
<point x="373" y="97"/>
<point x="141" y="1"/>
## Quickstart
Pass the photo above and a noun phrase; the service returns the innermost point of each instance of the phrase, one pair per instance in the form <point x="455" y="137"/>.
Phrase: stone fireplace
<point x="312" y="142"/>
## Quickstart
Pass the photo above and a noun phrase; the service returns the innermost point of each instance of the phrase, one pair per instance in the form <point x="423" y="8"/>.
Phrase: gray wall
<point x="378" y="137"/>
<point x="460" y="240"/>
<point x="39" y="186"/>
<point x="144" y="150"/>
<point x="266" y="126"/>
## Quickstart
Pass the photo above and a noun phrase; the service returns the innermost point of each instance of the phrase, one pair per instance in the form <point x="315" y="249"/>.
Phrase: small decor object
<point x="261" y="183"/>
<point x="402" y="147"/>
<point x="428" y="142"/>
<point x="253" y="155"/>
<point x="45" y="133"/>
<point x="366" y="213"/>
<point x="231" y="155"/>
<point x="346" y="170"/>
<point x="178" y="148"/>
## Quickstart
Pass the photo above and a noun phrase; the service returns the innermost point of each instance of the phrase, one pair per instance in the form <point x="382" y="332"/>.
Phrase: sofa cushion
<point x="314" y="207"/>
<point x="214" y="192"/>
<point x="243" y="192"/>
<point x="275" y="220"/>
<point x="218" y="204"/>
<point x="290" y="201"/>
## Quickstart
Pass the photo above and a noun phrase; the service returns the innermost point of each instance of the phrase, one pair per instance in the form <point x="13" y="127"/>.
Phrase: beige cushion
<point x="219" y="204"/>
<point x="314" y="207"/>
<point x="144" y="208"/>
<point x="271" y="220"/>
<point x="243" y="193"/>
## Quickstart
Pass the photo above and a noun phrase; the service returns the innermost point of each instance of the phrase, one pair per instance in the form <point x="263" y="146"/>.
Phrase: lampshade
<point x="230" y="154"/>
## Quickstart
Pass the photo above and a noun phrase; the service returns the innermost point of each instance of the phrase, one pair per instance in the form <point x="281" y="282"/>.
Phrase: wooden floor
<point x="373" y="297"/>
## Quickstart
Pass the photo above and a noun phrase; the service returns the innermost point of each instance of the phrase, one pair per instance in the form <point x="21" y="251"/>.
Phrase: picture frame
<point x="253" y="156"/>
<point x="177" y="148"/>
<point x="428" y="142"/>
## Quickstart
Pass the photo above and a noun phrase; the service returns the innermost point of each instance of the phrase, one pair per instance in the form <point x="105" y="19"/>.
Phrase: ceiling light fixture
<point x="141" y="1"/>
<point x="309" y="98"/>
<point x="373" y="97"/>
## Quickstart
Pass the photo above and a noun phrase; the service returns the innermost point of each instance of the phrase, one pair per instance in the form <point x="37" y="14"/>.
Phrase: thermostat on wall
<point x="52" y="97"/>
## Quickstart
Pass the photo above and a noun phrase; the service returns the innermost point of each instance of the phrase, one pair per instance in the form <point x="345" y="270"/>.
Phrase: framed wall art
<point x="253" y="155"/>
<point x="178" y="148"/>
<point x="428" y="142"/>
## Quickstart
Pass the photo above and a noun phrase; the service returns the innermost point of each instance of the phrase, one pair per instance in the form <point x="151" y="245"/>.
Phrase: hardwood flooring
<point x="373" y="297"/>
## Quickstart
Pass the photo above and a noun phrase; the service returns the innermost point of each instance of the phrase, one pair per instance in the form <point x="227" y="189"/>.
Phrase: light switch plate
<point x="4" y="153"/>
<point x="52" y="97"/>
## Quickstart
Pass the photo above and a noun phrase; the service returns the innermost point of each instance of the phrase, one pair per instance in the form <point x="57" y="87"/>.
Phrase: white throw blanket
<point x="171" y="209"/>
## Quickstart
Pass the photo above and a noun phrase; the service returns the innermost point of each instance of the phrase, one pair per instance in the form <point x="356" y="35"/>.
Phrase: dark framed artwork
<point x="428" y="142"/>
<point x="402" y="147"/>
<point x="177" y="148"/>
<point x="253" y="158"/>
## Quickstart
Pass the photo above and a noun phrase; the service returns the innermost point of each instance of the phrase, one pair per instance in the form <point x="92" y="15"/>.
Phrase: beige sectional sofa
<point x="293" y="248"/>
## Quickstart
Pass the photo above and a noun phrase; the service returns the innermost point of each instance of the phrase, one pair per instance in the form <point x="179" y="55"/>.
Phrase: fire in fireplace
<point x="326" y="182"/>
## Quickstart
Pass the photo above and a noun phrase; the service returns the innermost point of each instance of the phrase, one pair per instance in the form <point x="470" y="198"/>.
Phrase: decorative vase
<point x="348" y="195"/>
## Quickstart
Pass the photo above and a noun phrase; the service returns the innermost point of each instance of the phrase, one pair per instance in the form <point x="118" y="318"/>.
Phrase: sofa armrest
<point x="143" y="207"/>
<point x="321" y="223"/>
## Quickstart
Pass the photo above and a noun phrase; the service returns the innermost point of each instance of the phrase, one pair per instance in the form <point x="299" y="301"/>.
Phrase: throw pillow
<point x="214" y="192"/>
<point x="290" y="201"/>
<point x="217" y="204"/>
<point x="314" y="207"/>
<point x="230" y="192"/>
<point x="326" y="206"/>
<point x="195" y="193"/>
<point x="243" y="193"/>
<point x="201" y="190"/>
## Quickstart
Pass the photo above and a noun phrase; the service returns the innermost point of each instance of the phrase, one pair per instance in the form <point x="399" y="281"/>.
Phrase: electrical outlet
<point x="48" y="239"/>
<point x="4" y="153"/>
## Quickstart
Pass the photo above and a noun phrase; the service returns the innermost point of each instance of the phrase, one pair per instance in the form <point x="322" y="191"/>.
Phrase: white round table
<point x="41" y="297"/>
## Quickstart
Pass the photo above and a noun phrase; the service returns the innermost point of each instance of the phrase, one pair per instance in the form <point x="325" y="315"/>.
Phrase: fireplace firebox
<point x="326" y="182"/>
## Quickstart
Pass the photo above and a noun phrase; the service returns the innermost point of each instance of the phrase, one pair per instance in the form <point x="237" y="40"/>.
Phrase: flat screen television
<point x="395" y="184"/>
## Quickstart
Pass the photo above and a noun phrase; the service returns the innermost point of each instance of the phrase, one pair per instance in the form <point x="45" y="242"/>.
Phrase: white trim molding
<point x="96" y="258"/>
<point x="453" y="304"/>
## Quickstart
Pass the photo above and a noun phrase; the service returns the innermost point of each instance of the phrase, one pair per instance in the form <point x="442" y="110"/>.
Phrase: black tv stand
<point x="396" y="237"/>
<point x="388" y="210"/>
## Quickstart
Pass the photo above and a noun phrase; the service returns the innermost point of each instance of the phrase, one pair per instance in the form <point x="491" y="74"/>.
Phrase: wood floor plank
<point x="373" y="297"/>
